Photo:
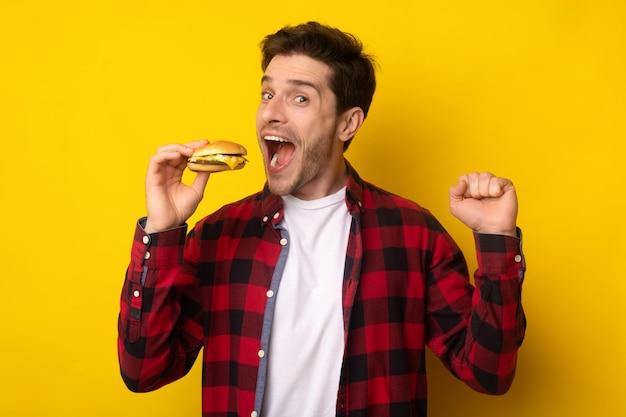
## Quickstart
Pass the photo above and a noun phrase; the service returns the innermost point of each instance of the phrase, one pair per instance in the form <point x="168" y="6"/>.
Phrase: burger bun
<point x="218" y="156"/>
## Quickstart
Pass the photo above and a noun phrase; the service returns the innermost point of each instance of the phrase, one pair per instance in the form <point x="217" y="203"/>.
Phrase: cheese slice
<point x="232" y="161"/>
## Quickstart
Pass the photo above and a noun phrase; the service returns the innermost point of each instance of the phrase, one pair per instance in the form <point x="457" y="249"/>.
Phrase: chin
<point x="279" y="189"/>
<point x="280" y="186"/>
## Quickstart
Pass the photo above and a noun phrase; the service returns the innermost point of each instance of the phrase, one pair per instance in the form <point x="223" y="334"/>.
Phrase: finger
<point x="178" y="153"/>
<point x="167" y="157"/>
<point x="482" y="185"/>
<point x="175" y="154"/>
<point x="485" y="184"/>
<point x="499" y="186"/>
<point x="506" y="185"/>
<point x="457" y="191"/>
<point x="475" y="185"/>
<point x="197" y="144"/>
<point x="174" y="149"/>
<point x="200" y="181"/>
<point x="494" y="187"/>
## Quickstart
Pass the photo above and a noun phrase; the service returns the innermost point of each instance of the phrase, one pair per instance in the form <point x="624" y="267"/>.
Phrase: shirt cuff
<point x="500" y="254"/>
<point x="158" y="250"/>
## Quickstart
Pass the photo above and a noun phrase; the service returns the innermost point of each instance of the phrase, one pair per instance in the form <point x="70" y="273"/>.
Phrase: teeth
<point x="274" y="160"/>
<point x="275" y="139"/>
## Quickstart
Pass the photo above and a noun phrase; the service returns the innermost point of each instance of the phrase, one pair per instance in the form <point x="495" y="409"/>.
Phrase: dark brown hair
<point x="352" y="79"/>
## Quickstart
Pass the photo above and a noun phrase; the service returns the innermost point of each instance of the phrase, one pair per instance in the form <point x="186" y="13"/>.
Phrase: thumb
<point x="199" y="182"/>
<point x="458" y="191"/>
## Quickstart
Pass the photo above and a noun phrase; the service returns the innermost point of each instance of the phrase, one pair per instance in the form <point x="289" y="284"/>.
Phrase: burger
<point x="218" y="156"/>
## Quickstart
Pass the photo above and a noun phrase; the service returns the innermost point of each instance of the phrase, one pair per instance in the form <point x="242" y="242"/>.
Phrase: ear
<point x="350" y="122"/>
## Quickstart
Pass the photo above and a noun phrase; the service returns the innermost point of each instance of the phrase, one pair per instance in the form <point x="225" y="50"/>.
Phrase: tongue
<point x="282" y="156"/>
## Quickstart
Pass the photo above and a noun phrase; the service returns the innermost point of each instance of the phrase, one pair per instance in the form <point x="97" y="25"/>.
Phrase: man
<point x="318" y="295"/>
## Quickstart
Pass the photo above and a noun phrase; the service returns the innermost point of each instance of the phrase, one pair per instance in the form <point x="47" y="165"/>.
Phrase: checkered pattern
<point x="406" y="286"/>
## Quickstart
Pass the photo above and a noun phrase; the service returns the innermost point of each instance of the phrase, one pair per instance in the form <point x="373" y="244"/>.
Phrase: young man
<point x="318" y="295"/>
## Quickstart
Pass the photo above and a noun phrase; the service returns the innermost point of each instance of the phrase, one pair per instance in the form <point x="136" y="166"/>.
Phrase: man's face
<point x="297" y="128"/>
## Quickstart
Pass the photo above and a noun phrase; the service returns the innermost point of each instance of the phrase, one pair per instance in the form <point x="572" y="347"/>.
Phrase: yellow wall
<point x="531" y="90"/>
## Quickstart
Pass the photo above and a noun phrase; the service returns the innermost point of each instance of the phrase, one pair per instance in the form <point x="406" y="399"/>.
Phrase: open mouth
<point x="279" y="152"/>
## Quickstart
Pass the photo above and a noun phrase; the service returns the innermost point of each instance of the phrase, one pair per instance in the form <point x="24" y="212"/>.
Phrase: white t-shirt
<point x="307" y="341"/>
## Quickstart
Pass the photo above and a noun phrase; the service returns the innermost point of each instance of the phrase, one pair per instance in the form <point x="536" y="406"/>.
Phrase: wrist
<point x="497" y="231"/>
<point x="151" y="227"/>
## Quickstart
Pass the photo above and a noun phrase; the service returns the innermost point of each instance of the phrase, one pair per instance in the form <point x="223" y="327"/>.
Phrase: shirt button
<point x="136" y="293"/>
<point x="269" y="293"/>
<point x="146" y="255"/>
<point x="254" y="414"/>
<point x="261" y="353"/>
<point x="276" y="215"/>
<point x="265" y="219"/>
<point x="283" y="241"/>
<point x="146" y="240"/>
<point x="518" y="258"/>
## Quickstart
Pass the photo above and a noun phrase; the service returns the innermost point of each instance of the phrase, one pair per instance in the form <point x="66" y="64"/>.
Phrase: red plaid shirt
<point x="405" y="287"/>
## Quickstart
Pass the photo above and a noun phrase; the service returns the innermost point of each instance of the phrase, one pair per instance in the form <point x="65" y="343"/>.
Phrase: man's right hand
<point x="170" y="202"/>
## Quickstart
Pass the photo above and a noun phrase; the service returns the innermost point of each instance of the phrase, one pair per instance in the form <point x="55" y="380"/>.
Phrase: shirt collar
<point x="354" y="190"/>
<point x="272" y="205"/>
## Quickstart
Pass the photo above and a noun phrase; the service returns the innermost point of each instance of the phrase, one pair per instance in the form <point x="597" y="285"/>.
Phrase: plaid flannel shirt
<point x="405" y="287"/>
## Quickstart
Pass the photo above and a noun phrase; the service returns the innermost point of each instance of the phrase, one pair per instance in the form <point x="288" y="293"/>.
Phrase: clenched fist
<point x="485" y="203"/>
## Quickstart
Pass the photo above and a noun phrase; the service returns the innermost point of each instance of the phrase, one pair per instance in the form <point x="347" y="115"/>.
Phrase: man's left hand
<point x="485" y="203"/>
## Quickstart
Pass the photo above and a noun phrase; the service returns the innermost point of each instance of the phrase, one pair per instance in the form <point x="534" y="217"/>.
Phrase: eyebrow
<point x="295" y="82"/>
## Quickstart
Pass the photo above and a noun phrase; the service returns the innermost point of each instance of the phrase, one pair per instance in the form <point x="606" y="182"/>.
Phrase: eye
<point x="301" y="99"/>
<point x="266" y="96"/>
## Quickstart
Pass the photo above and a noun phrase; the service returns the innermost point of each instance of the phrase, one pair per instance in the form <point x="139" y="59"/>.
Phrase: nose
<point x="271" y="111"/>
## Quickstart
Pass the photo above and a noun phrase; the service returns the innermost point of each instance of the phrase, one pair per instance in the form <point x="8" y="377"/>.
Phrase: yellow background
<point x="531" y="90"/>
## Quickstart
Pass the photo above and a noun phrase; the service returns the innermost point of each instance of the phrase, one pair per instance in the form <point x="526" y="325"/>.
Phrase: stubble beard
<point x="314" y="160"/>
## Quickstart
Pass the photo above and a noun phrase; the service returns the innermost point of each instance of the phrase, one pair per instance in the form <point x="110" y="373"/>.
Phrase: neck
<point x="329" y="183"/>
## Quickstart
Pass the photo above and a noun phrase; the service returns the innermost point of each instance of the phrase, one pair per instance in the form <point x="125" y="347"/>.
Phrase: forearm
<point x="497" y="324"/>
<point x="156" y="342"/>
<point x="476" y="331"/>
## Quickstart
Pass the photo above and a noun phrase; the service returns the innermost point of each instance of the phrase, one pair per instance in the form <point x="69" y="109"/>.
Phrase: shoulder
<point x="396" y="221"/>
<point x="375" y="197"/>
